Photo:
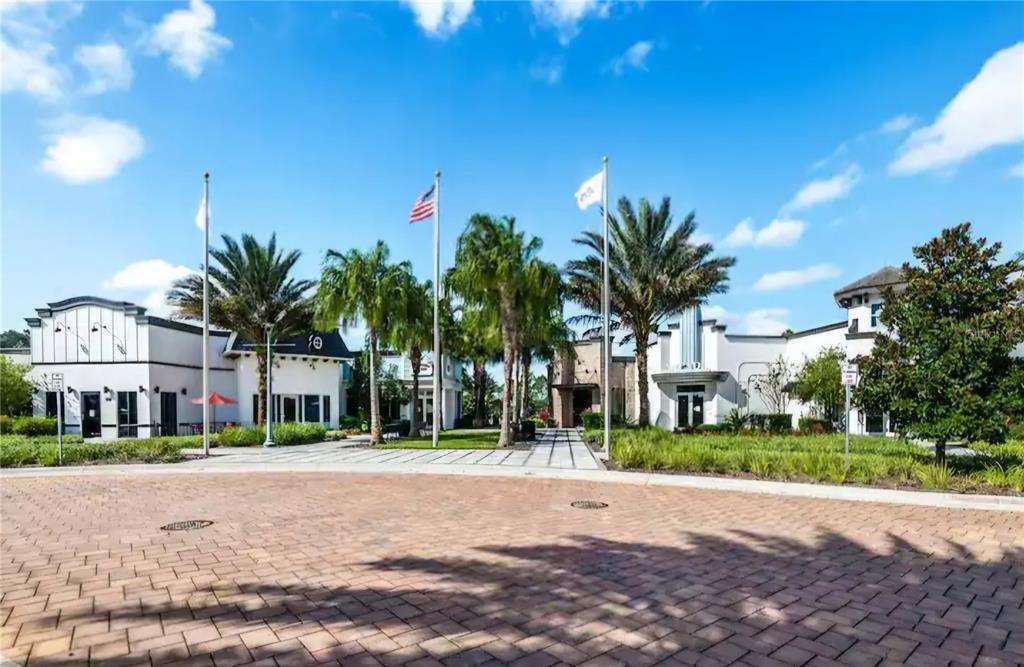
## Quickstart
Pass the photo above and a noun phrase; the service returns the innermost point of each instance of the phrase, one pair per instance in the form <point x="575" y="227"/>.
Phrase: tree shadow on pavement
<point x="742" y="598"/>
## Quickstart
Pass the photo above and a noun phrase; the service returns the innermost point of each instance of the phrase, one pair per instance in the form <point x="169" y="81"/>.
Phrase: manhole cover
<point x="589" y="505"/>
<point x="193" y="524"/>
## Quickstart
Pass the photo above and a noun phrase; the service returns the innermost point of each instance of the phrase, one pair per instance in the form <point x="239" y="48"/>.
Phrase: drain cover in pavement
<point x="192" y="524"/>
<point x="589" y="505"/>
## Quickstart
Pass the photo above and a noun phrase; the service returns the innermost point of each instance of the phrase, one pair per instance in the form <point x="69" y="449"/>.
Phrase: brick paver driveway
<point x="432" y="570"/>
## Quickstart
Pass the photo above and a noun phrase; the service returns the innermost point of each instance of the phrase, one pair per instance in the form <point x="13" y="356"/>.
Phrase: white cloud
<point x="26" y="47"/>
<point x="987" y="112"/>
<point x="635" y="57"/>
<point x="549" y="70"/>
<point x="825" y="190"/>
<point x="186" y="36"/>
<point x="786" y="279"/>
<point x="759" y="322"/>
<point x="154" y="276"/>
<point x="1017" y="170"/>
<point x="440" y="18"/>
<point x="777" y="233"/>
<point x="897" y="124"/>
<point x="29" y="70"/>
<point x="91" y="149"/>
<point x="107" y="65"/>
<point x="565" y="16"/>
<point x="700" y="238"/>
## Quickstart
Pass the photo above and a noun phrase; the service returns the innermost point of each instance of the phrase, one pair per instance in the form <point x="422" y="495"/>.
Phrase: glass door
<point x="168" y="413"/>
<point x="689" y="405"/>
<point x="91" y="425"/>
<point x="290" y="408"/>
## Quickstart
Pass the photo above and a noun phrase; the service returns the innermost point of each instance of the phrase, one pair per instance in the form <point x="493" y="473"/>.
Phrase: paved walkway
<point x="554" y="448"/>
<point x="442" y="571"/>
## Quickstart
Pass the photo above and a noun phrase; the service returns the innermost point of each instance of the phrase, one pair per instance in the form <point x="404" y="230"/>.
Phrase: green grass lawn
<point x="819" y="458"/>
<point x="447" y="440"/>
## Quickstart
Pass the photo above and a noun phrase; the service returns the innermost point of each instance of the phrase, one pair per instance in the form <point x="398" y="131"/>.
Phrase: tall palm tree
<point x="251" y="291"/>
<point x="363" y="287"/>
<point x="412" y="331"/>
<point x="654" y="270"/>
<point x="493" y="262"/>
<point x="543" y="327"/>
<point x="474" y="335"/>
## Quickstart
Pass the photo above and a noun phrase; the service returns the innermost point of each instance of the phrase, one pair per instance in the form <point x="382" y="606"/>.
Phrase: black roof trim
<point x="861" y="335"/>
<point x="821" y="329"/>
<point x="177" y="325"/>
<point x="762" y="336"/>
<point x="333" y="346"/>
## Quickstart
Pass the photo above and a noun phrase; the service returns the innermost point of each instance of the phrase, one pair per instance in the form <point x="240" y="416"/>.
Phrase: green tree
<point x="363" y="287"/>
<point x="13" y="338"/>
<point x="493" y="264"/>
<point x="543" y="328"/>
<point x="251" y="291"/>
<point x="15" y="388"/>
<point x="412" y="332"/>
<point x="774" y="385"/>
<point x="819" y="383"/>
<point x="472" y="333"/>
<point x="942" y="367"/>
<point x="655" y="271"/>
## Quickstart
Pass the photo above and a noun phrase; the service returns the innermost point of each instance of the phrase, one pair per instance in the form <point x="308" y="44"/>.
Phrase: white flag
<point x="201" y="214"/>
<point x="591" y="191"/>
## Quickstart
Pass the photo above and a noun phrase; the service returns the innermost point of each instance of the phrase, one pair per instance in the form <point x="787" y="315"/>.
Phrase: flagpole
<point x="206" y="315"/>
<point x="607" y="402"/>
<point x="437" y="298"/>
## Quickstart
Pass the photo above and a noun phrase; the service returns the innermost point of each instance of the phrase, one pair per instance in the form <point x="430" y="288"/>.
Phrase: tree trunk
<point x="644" y="418"/>
<point x="479" y="393"/>
<point x="261" y="370"/>
<point x="508" y="359"/>
<point x="551" y="391"/>
<point x="415" y="358"/>
<point x="940" y="452"/>
<point x="375" y="433"/>
<point x="526" y="358"/>
<point x="515" y="384"/>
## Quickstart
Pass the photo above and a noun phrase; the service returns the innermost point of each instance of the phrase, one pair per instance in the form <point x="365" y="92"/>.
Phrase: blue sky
<point x="816" y="142"/>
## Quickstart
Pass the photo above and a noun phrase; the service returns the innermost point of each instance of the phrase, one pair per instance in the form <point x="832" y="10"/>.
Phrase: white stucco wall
<point x="291" y="377"/>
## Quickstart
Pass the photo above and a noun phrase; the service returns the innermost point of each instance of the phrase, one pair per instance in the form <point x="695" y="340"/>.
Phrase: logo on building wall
<point x="316" y="342"/>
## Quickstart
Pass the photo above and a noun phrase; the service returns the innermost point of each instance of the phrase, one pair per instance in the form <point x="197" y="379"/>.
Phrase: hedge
<point x="22" y="451"/>
<point x="814" y="425"/>
<point x="28" y="426"/>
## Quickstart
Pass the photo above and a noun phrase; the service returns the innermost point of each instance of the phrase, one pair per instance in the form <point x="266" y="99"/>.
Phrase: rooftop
<point x="887" y="275"/>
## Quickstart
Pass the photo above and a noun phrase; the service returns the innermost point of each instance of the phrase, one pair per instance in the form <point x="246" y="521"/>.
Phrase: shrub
<point x="33" y="426"/>
<point x="934" y="476"/>
<point x="814" y="425"/>
<point x="779" y="422"/>
<point x="735" y="420"/>
<point x="336" y="435"/>
<point x="711" y="428"/>
<point x="593" y="420"/>
<point x="241" y="436"/>
<point x="5" y="424"/>
<point x="298" y="433"/>
<point x="23" y="450"/>
<point x="349" y="422"/>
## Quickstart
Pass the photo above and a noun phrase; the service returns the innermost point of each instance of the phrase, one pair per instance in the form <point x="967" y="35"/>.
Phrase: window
<point x="326" y="417"/>
<point x="311" y="408"/>
<point x="689" y="388"/>
<point x="875" y="307"/>
<point x="51" y="404"/>
<point x="255" y="408"/>
<point x="127" y="414"/>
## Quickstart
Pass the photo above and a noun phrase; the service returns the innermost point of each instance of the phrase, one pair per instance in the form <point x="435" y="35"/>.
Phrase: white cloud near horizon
<point x="825" y="190"/>
<point x="565" y="16"/>
<point x="90" y="149"/>
<point x="440" y="18"/>
<point x="780" y="232"/>
<point x="897" y="124"/>
<point x="108" y="67"/>
<point x="786" y="279"/>
<point x="985" y="113"/>
<point x="154" y="276"/>
<point x="1017" y="170"/>
<point x="27" y="50"/>
<point x="757" y="322"/>
<point x="548" y="70"/>
<point x="187" y="38"/>
<point x="635" y="57"/>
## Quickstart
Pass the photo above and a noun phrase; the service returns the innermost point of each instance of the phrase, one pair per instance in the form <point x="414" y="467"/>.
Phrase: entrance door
<point x="689" y="406"/>
<point x="91" y="424"/>
<point x="168" y="413"/>
<point x="291" y="410"/>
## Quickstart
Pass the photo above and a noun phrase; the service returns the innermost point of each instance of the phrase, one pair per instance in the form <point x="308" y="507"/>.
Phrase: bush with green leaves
<point x="32" y="426"/>
<point x="298" y="433"/>
<point x="240" y="436"/>
<point x="814" y="425"/>
<point x="24" y="451"/>
<point x="592" y="420"/>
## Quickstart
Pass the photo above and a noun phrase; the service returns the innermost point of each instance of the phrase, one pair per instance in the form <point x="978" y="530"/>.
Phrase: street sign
<point x="849" y="372"/>
<point x="57" y="379"/>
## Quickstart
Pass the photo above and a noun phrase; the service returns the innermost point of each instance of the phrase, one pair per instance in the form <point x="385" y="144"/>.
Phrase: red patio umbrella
<point x="215" y="400"/>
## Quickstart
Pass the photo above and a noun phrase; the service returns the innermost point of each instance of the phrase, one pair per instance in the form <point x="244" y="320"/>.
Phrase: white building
<point x="129" y="374"/>
<point x="699" y="372"/>
<point x="451" y="387"/>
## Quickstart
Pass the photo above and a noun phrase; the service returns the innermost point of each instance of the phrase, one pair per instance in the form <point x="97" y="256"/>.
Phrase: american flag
<point x="423" y="208"/>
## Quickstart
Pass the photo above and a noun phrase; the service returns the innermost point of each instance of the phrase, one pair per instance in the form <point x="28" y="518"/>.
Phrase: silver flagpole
<point x="605" y="311"/>
<point x="206" y="315"/>
<point x="437" y="297"/>
<point x="437" y="294"/>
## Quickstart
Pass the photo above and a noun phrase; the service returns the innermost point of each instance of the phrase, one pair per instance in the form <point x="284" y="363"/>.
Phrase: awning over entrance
<point x="688" y="376"/>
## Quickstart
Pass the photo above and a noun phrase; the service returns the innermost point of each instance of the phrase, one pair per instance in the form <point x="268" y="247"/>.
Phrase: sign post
<point x="849" y="373"/>
<point x="58" y="386"/>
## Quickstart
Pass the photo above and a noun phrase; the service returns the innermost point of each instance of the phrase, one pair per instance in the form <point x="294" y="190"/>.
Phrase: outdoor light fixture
<point x="184" y="391"/>
<point x="59" y="328"/>
<point x="156" y="389"/>
<point x="95" y="327"/>
<point x="142" y="390"/>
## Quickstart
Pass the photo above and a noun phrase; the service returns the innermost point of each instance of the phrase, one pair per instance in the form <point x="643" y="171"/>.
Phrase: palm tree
<point x="251" y="291"/>
<point x="654" y="271"/>
<point x="473" y="335"/>
<point x="412" y="331"/>
<point x="543" y="328"/>
<point x="367" y="287"/>
<point x="493" y="262"/>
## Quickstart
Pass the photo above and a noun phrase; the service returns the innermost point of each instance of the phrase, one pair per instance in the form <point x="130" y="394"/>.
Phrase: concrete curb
<point x="788" y="489"/>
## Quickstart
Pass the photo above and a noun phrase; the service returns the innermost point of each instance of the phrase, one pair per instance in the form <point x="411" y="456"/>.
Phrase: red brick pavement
<point x="432" y="571"/>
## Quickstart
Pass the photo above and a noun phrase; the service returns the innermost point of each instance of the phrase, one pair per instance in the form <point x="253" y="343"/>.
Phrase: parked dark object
<point x="526" y="430"/>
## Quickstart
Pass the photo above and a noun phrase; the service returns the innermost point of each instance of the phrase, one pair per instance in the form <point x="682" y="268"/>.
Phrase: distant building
<point x="698" y="372"/>
<point x="451" y="387"/>
<point x="129" y="374"/>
